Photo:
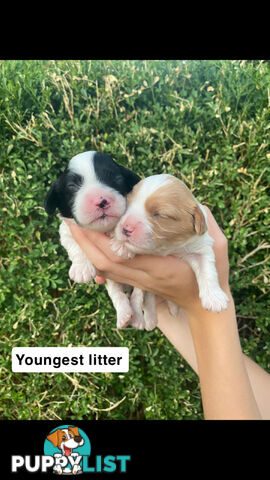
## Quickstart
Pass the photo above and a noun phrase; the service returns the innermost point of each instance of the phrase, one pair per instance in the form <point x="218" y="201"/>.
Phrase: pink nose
<point x="127" y="230"/>
<point x="102" y="203"/>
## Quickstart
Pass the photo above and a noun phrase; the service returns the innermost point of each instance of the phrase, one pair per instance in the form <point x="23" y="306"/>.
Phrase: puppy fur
<point x="92" y="193"/>
<point x="164" y="218"/>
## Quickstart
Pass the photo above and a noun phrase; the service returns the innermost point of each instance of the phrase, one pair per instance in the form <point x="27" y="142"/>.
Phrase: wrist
<point x="196" y="312"/>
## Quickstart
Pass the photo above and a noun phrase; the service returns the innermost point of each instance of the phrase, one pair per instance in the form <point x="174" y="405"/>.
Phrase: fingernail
<point x="99" y="280"/>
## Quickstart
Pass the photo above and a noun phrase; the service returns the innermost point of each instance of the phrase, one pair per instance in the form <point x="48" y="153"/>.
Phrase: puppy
<point x="164" y="218"/>
<point x="92" y="192"/>
<point x="66" y="439"/>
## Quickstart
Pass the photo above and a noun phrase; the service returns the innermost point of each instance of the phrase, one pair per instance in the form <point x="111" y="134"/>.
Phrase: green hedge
<point x="206" y="122"/>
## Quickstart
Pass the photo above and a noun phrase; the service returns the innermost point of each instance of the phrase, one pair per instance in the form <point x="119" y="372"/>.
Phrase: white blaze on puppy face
<point x="135" y="227"/>
<point x="96" y="206"/>
<point x="82" y="164"/>
<point x="161" y="211"/>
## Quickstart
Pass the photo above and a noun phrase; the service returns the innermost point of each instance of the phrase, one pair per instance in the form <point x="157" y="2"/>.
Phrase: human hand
<point x="168" y="277"/>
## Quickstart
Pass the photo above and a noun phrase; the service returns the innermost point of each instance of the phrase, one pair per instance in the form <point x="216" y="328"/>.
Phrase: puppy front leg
<point x="81" y="270"/>
<point x="213" y="298"/>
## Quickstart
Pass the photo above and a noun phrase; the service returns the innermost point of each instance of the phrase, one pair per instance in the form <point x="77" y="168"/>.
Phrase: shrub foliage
<point x="206" y="122"/>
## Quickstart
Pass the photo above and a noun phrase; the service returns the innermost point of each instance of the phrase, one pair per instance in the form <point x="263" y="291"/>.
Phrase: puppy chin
<point x="100" y="224"/>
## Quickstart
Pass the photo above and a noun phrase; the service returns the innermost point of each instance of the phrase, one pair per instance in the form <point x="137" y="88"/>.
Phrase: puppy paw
<point x="215" y="300"/>
<point x="150" y="322"/>
<point x="82" y="273"/>
<point x="137" y="321"/>
<point x="58" y="470"/>
<point x="119" y="248"/>
<point x="76" y="469"/>
<point x="124" y="316"/>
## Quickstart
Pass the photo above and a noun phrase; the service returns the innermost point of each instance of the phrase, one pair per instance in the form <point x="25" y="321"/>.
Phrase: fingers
<point x="214" y="229"/>
<point x="220" y="241"/>
<point x="107" y="268"/>
<point x="135" y="279"/>
<point x="96" y="238"/>
<point x="129" y="276"/>
<point x="124" y="281"/>
<point x="95" y="255"/>
<point x="102" y="242"/>
<point x="220" y="248"/>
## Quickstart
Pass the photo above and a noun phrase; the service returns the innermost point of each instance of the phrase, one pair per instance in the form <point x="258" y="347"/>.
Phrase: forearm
<point x="177" y="330"/>
<point x="225" y="386"/>
<point x="222" y="368"/>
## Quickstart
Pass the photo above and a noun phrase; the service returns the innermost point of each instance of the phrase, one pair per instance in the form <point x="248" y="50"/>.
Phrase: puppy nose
<point x="127" y="230"/>
<point x="103" y="203"/>
<point x="78" y="438"/>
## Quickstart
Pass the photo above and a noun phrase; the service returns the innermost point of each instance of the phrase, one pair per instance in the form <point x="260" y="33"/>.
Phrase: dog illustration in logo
<point x="66" y="439"/>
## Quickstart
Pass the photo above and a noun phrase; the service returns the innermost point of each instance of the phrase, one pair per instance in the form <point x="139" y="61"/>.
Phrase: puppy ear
<point x="53" y="437"/>
<point x="51" y="200"/>
<point x="199" y="223"/>
<point x="131" y="178"/>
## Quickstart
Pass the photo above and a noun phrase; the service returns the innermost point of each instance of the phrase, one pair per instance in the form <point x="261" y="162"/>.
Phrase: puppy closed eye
<point x="158" y="215"/>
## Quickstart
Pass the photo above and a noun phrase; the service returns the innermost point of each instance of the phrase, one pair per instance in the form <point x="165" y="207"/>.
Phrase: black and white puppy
<point x="92" y="192"/>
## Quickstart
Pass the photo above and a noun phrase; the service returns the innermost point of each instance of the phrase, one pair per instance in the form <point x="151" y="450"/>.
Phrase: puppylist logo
<point x="67" y="451"/>
<point x="67" y="445"/>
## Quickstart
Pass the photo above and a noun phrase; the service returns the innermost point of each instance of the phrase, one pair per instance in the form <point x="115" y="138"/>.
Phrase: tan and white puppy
<point x="164" y="218"/>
